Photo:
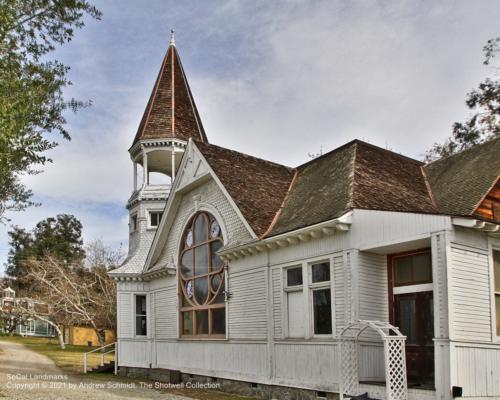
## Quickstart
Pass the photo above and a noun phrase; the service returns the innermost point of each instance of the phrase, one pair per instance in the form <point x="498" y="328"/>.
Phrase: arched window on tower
<point x="201" y="278"/>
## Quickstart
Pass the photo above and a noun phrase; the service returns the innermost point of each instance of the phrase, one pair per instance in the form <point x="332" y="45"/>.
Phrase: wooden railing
<point x="102" y="353"/>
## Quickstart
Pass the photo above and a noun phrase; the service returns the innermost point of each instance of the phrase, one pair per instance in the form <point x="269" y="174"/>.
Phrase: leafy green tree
<point x="60" y="236"/>
<point x="32" y="104"/>
<point x="484" y="102"/>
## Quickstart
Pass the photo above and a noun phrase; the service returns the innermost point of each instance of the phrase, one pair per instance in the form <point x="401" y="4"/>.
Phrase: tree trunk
<point x="57" y="329"/>
<point x="101" y="336"/>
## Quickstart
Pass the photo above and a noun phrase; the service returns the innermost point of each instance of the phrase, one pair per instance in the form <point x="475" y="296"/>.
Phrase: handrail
<point x="103" y="353"/>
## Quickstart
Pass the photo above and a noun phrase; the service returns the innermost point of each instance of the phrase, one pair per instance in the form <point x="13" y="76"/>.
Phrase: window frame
<point x="395" y="257"/>
<point x="205" y="307"/>
<point x="134" y="223"/>
<point x="150" y="213"/>
<point x="292" y="289"/>
<point x="307" y="288"/>
<point x="135" y="315"/>
<point x="322" y="285"/>
<point x="494" y="246"/>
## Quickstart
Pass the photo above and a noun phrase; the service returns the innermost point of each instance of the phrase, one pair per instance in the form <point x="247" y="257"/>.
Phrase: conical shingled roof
<point x="171" y="111"/>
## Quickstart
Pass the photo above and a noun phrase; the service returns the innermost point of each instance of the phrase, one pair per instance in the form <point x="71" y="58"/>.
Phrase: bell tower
<point x="169" y="121"/>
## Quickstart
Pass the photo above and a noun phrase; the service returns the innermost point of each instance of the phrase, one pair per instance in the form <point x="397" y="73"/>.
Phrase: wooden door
<point x="413" y="314"/>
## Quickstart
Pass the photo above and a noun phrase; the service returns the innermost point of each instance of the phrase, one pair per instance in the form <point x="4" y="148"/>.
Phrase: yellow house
<point x="85" y="336"/>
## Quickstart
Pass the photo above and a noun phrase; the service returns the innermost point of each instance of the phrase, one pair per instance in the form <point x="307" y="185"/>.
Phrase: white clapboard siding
<point x="339" y="292"/>
<point x="126" y="327"/>
<point x="247" y="309"/>
<point x="372" y="286"/>
<point x="277" y="290"/>
<point x="478" y="371"/>
<point x="165" y="312"/>
<point x="470" y="293"/>
<point x="372" y="280"/>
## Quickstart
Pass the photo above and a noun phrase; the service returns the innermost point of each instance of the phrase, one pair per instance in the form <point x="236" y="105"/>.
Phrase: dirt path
<point x="25" y="374"/>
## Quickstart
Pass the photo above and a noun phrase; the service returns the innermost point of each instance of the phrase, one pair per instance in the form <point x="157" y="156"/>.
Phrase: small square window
<point x="155" y="218"/>
<point x="294" y="276"/>
<point x="320" y="272"/>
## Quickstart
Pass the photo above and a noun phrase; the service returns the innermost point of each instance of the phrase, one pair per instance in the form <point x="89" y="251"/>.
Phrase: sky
<point x="276" y="79"/>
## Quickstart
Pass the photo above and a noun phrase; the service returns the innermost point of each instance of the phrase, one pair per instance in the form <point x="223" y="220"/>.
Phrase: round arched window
<point x="201" y="279"/>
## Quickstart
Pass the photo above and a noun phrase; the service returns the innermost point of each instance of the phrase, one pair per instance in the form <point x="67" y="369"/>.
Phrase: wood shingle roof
<point x="275" y="199"/>
<point x="171" y="111"/>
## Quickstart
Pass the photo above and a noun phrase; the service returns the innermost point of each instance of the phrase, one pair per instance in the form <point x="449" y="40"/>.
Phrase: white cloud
<point x="273" y="79"/>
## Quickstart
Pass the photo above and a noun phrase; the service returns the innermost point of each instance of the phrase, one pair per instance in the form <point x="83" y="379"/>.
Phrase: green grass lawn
<point x="69" y="359"/>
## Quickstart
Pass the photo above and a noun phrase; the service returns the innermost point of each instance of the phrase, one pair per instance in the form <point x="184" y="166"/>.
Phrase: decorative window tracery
<point x="201" y="279"/>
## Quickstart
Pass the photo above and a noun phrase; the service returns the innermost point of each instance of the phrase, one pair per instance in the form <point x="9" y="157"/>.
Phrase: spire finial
<point x="172" y="37"/>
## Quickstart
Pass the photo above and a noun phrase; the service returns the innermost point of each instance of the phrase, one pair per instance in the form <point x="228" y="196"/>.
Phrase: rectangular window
<point x="322" y="311"/>
<point x="320" y="272"/>
<point x="413" y="269"/>
<point x="496" y="273"/>
<point x="294" y="276"/>
<point x="295" y="302"/>
<point x="321" y="298"/>
<point x="140" y="315"/>
<point x="133" y="223"/>
<point x="155" y="218"/>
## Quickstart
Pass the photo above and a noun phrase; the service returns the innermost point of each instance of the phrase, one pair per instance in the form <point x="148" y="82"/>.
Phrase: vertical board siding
<point x="125" y="315"/>
<point x="247" y="309"/>
<point x="134" y="353"/>
<point x="339" y="292"/>
<point x="371" y="362"/>
<point x="440" y="284"/>
<point x="165" y="311"/>
<point x="348" y="290"/>
<point x="309" y="365"/>
<point x="470" y="294"/>
<point x="220" y="359"/>
<point x="276" y="298"/>
<point x="478" y="371"/>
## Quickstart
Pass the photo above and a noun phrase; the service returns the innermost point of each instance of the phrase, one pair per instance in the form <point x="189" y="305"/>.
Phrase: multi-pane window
<point x="201" y="279"/>
<point x="155" y="218"/>
<point x="496" y="273"/>
<point x="321" y="298"/>
<point x="413" y="270"/>
<point x="140" y="315"/>
<point x="308" y="317"/>
<point x="295" y="301"/>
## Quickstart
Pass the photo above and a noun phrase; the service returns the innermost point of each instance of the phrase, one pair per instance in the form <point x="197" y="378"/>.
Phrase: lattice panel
<point x="395" y="368"/>
<point x="349" y="366"/>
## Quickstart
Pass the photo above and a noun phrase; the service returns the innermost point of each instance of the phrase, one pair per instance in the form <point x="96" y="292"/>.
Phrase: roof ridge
<point x="475" y="146"/>
<point x="359" y="142"/>
<point x="244" y="154"/>
<point x="197" y="118"/>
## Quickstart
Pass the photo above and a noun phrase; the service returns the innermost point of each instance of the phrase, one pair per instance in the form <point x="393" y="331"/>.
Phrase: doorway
<point x="412" y="310"/>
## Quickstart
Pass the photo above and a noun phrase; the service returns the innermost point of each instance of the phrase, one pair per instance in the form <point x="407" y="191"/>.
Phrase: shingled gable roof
<point x="171" y="111"/>
<point x="356" y="175"/>
<point x="460" y="182"/>
<point x="257" y="186"/>
<point x="275" y="199"/>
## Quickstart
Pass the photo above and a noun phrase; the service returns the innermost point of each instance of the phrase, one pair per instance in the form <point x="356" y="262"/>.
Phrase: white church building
<point x="360" y="271"/>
